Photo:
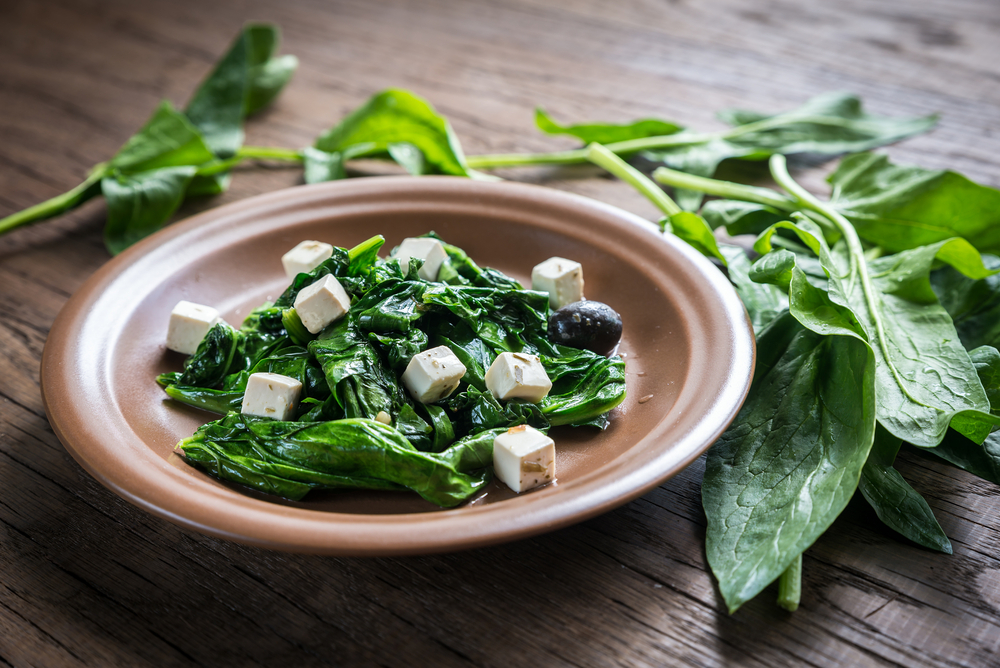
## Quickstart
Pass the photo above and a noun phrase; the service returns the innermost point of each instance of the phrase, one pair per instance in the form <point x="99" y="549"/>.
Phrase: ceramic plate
<point x="687" y="344"/>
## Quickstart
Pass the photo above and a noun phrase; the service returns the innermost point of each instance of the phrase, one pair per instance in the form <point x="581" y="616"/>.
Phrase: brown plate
<point x="688" y="346"/>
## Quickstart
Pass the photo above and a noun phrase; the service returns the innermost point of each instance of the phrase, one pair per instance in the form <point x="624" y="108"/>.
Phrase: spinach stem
<point x="727" y="189"/>
<point x="270" y="153"/>
<point x="643" y="143"/>
<point x="790" y="585"/>
<point x="55" y="206"/>
<point x="579" y="155"/>
<point x="859" y="264"/>
<point x="745" y="193"/>
<point x="602" y="157"/>
<point x="250" y="153"/>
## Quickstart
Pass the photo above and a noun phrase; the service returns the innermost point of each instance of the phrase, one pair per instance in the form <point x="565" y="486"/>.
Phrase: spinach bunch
<point x="179" y="154"/>
<point x="875" y="317"/>
<point x="350" y="374"/>
<point x="829" y="124"/>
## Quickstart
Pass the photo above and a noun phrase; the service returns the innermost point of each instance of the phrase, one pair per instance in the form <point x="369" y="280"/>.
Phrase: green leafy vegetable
<point x="139" y="205"/>
<point x="606" y="133"/>
<point x="828" y="124"/>
<point x="349" y="374"/>
<point x="352" y="449"/>
<point x="900" y="207"/>
<point x="896" y="503"/>
<point x="924" y="375"/>
<point x="973" y="304"/>
<point x="763" y="302"/>
<point x="382" y="126"/>
<point x="176" y="155"/>
<point x="789" y="463"/>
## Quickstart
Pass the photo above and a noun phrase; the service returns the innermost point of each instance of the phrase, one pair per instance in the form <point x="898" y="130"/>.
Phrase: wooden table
<point x="87" y="579"/>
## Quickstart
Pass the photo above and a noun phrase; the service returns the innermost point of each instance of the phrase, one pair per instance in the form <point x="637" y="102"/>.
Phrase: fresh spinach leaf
<point x="606" y="133"/>
<point x="924" y="375"/>
<point x="141" y="203"/>
<point x="216" y="108"/>
<point x="981" y="459"/>
<point x="168" y="139"/>
<point x="763" y="302"/>
<point x="973" y="304"/>
<point x="987" y="362"/>
<point x="790" y="462"/>
<point x="895" y="502"/>
<point x="267" y="74"/>
<point x="740" y="217"/>
<point x="245" y="80"/>
<point x="902" y="207"/>
<point x="693" y="229"/>
<point x="828" y="124"/>
<point x="390" y="118"/>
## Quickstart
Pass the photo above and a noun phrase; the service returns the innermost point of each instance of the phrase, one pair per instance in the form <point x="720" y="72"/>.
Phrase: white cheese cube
<point x="271" y="395"/>
<point x="433" y="374"/>
<point x="305" y="257"/>
<point x="431" y="251"/>
<point x="561" y="278"/>
<point x="524" y="457"/>
<point x="321" y="303"/>
<point x="518" y="376"/>
<point x="189" y="323"/>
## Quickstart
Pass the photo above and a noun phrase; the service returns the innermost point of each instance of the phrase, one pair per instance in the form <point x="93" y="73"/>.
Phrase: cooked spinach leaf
<point x="342" y="453"/>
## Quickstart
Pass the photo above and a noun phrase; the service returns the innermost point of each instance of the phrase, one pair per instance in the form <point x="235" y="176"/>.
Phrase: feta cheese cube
<point x="433" y="374"/>
<point x="305" y="257"/>
<point x="271" y="395"/>
<point x="561" y="278"/>
<point x="321" y="303"/>
<point x="431" y="251"/>
<point x="524" y="458"/>
<point x="189" y="323"/>
<point x="518" y="376"/>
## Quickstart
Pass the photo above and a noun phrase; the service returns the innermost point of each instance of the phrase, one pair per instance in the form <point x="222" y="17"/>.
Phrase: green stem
<point x="579" y="155"/>
<point x="270" y="153"/>
<point x="250" y="153"/>
<point x="744" y="193"/>
<point x="790" y="586"/>
<point x="55" y="206"/>
<point x="641" y="144"/>
<point x="859" y="265"/>
<point x="727" y="189"/>
<point x="602" y="157"/>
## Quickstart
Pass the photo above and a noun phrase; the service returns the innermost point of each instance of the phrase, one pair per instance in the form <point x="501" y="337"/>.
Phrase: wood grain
<point x="87" y="579"/>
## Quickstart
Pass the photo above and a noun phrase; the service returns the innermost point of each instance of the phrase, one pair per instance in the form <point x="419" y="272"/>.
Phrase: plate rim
<point x="370" y="539"/>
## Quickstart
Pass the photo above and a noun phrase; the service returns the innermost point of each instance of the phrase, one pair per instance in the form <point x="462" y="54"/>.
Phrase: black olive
<point x="586" y="324"/>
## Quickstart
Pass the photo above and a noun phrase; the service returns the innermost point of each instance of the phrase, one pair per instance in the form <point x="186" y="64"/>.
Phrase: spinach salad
<point x="350" y="378"/>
